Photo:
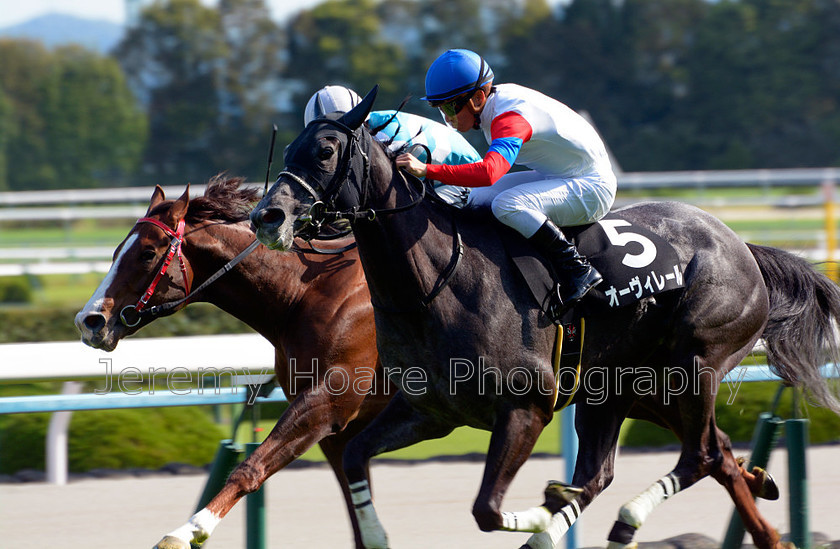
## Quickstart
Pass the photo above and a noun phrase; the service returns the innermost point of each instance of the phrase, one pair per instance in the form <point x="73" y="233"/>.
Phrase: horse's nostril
<point x="272" y="216"/>
<point x="94" y="321"/>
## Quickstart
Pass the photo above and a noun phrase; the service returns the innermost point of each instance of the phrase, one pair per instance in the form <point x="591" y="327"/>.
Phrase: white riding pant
<point x="524" y="200"/>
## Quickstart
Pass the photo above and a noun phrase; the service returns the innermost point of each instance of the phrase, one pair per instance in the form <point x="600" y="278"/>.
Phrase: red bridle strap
<point x="177" y="237"/>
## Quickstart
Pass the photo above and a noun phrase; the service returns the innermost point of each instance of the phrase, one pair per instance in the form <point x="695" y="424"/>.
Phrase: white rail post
<point x="57" y="438"/>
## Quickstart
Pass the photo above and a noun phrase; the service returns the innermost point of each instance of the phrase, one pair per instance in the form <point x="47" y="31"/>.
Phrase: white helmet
<point x="330" y="99"/>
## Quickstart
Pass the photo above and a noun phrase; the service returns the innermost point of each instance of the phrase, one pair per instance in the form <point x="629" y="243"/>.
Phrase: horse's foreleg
<point x="310" y="417"/>
<point x="597" y="427"/>
<point x="398" y="426"/>
<point x="513" y="438"/>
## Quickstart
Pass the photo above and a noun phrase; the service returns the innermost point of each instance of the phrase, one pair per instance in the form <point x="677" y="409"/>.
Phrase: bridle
<point x="355" y="165"/>
<point x="175" y="245"/>
<point x="324" y="209"/>
<point x="177" y="238"/>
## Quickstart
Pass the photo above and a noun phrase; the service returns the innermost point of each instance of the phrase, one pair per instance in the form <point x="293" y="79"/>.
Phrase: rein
<point x="175" y="247"/>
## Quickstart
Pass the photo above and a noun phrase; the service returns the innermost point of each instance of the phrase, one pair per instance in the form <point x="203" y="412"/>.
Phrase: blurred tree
<point x="24" y="67"/>
<point x="763" y="92"/>
<point x="72" y="121"/>
<point x="340" y="42"/>
<point x="650" y="83"/>
<point x="96" y="127"/>
<point x="5" y="135"/>
<point x="691" y="84"/>
<point x="170" y="58"/>
<point x="210" y="79"/>
<point x="250" y="84"/>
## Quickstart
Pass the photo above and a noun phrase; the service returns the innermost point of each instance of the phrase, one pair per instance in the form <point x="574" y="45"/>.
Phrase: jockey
<point x="570" y="181"/>
<point x="398" y="131"/>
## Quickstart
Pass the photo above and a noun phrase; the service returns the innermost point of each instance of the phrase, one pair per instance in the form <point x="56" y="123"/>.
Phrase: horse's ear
<point x="179" y="207"/>
<point x="157" y="197"/>
<point x="358" y="114"/>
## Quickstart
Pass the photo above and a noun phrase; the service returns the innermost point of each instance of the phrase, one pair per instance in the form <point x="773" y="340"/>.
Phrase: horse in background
<point x="314" y="309"/>
<point x="447" y="300"/>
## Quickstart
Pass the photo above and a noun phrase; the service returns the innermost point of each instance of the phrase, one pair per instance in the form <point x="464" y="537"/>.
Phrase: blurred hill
<point x="58" y="29"/>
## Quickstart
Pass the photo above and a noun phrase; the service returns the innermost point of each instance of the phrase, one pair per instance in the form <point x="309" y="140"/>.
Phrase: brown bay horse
<point x="449" y="303"/>
<point x="314" y="309"/>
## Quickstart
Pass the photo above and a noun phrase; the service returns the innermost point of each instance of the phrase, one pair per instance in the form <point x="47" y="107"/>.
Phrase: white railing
<point x="700" y="179"/>
<point x="129" y="203"/>
<point x="136" y="364"/>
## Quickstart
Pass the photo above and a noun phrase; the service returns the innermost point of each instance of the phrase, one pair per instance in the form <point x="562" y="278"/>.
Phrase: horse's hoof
<point x="169" y="542"/>
<point x="559" y="494"/>
<point x="768" y="490"/>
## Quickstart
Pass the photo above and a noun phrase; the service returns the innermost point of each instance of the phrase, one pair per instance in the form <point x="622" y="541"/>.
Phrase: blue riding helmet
<point x="456" y="72"/>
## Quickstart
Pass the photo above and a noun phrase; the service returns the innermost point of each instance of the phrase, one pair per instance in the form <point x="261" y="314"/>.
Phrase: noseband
<point x="130" y="314"/>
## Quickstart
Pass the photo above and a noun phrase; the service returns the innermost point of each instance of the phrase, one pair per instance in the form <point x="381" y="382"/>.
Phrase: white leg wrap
<point x="198" y="528"/>
<point x="535" y="519"/>
<point x="637" y="510"/>
<point x="557" y="528"/>
<point x="373" y="534"/>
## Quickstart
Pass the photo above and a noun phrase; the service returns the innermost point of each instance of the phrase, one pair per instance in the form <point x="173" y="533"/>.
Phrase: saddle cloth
<point x="635" y="262"/>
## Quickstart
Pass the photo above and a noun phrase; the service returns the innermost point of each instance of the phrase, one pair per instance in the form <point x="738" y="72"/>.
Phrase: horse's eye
<point x="326" y="153"/>
<point x="147" y="256"/>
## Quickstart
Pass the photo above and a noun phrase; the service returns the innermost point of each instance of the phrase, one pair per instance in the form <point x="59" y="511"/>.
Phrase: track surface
<point x="423" y="505"/>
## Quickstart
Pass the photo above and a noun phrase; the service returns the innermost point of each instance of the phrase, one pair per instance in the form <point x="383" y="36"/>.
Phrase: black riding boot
<point x="576" y="275"/>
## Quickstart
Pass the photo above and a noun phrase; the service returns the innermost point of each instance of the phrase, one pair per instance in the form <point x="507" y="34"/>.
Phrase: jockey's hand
<point x="410" y="164"/>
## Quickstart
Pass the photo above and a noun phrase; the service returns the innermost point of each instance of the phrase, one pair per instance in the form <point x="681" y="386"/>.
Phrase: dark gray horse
<point x="460" y="334"/>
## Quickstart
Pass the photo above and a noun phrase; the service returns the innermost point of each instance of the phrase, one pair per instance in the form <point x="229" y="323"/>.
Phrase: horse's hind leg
<point x="741" y="487"/>
<point x="759" y="481"/>
<point x="705" y="451"/>
<point x="399" y="425"/>
<point x="333" y="448"/>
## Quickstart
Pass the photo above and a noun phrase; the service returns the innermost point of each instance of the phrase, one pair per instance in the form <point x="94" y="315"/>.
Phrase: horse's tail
<point x="801" y="334"/>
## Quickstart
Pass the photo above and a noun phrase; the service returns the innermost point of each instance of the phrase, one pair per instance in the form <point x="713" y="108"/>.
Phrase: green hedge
<point x="738" y="418"/>
<point x="31" y="324"/>
<point x="114" y="439"/>
<point x="15" y="289"/>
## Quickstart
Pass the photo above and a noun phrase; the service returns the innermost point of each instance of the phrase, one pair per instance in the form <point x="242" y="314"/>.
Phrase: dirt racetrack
<point x="422" y="505"/>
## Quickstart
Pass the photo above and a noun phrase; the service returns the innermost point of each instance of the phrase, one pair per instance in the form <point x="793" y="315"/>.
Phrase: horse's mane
<point x="224" y="199"/>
